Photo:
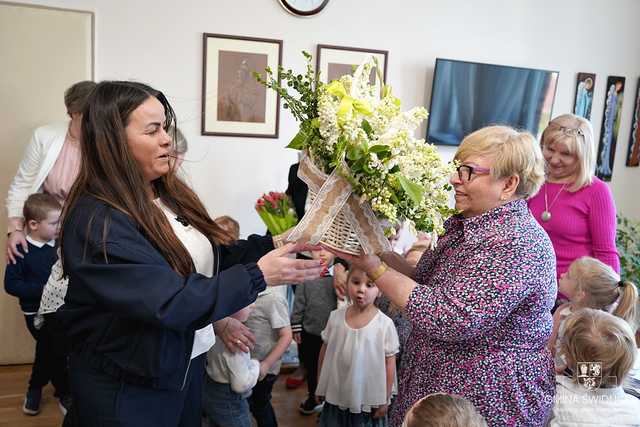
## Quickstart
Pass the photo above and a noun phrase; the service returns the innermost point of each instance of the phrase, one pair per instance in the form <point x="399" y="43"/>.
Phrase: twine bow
<point x="334" y="194"/>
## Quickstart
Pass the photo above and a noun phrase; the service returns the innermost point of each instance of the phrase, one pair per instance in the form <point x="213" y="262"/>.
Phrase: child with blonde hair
<point x="443" y="410"/>
<point x="590" y="283"/>
<point x="600" y="348"/>
<point x="357" y="359"/>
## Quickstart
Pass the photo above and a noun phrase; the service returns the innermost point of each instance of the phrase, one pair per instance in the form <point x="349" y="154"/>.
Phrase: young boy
<point x="25" y="280"/>
<point x="314" y="302"/>
<point x="269" y="321"/>
<point x="230" y="378"/>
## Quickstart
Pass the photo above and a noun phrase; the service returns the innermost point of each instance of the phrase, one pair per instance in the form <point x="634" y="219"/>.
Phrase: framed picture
<point x="585" y="84"/>
<point x="333" y="62"/>
<point x="633" y="152"/>
<point x="233" y="102"/>
<point x="610" y="126"/>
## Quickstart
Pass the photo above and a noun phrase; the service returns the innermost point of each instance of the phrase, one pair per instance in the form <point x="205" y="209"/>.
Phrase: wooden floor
<point x="13" y="381"/>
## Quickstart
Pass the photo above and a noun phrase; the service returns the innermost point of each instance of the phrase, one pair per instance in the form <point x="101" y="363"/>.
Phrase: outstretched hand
<point x="279" y="268"/>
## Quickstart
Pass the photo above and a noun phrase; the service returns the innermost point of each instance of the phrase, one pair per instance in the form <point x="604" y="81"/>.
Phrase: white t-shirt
<point x="236" y="369"/>
<point x="353" y="372"/>
<point x="269" y="315"/>
<point x="201" y="253"/>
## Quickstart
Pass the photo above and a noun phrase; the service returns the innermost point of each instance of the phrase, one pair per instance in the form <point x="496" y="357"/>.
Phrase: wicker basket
<point x="340" y="235"/>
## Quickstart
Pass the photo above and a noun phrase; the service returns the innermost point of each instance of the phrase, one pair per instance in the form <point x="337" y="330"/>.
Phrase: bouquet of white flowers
<point x="365" y="170"/>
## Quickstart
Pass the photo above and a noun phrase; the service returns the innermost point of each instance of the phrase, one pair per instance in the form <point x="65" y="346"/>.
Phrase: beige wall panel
<point x="43" y="52"/>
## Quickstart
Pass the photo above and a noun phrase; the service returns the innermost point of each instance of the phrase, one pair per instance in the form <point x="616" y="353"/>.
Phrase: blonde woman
<point x="601" y="350"/>
<point x="593" y="284"/>
<point x="575" y="207"/>
<point x="479" y="304"/>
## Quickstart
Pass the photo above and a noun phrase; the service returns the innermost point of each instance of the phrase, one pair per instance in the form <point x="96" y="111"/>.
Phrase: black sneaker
<point x="32" y="401"/>
<point x="309" y="406"/>
<point x="65" y="404"/>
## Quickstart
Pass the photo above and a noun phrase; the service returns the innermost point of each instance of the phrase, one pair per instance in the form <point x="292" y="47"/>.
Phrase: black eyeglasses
<point x="465" y="172"/>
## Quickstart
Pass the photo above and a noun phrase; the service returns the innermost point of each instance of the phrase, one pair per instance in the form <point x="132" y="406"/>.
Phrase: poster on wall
<point x="233" y="102"/>
<point x="633" y="152"/>
<point x="610" y="127"/>
<point x="585" y="84"/>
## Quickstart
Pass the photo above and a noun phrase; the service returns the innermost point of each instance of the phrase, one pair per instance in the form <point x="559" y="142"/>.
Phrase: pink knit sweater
<point x="582" y="223"/>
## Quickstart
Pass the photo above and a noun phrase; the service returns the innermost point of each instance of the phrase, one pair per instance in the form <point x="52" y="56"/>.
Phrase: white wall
<point x="160" y="42"/>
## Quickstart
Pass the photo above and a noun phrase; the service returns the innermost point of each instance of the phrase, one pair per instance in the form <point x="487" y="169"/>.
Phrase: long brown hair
<point x="109" y="173"/>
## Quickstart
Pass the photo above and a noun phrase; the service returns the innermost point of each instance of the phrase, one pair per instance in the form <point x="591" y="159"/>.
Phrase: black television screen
<point x="467" y="96"/>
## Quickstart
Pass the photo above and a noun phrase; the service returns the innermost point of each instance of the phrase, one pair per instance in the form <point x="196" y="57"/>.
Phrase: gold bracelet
<point x="378" y="272"/>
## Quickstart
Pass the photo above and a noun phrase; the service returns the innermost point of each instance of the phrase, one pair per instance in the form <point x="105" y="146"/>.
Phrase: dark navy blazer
<point x="128" y="312"/>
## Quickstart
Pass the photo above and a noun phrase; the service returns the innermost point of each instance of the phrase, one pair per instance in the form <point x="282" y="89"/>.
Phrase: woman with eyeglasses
<point x="479" y="304"/>
<point x="575" y="207"/>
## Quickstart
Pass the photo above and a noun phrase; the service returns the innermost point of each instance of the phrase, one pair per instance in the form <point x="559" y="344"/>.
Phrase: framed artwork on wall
<point x="585" y="84"/>
<point x="610" y="126"/>
<point x="333" y="62"/>
<point x="633" y="151"/>
<point x="233" y="102"/>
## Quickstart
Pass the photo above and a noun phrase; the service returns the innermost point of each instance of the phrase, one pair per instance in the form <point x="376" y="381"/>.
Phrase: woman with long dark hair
<point x="148" y="273"/>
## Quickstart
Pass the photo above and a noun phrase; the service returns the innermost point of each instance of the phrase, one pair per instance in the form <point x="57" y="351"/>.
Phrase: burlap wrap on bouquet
<point x="335" y="216"/>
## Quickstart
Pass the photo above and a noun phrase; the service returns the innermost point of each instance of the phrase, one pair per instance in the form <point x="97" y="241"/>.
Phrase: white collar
<point x="40" y="244"/>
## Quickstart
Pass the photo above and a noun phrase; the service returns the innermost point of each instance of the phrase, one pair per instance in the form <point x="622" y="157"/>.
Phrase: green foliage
<point x="628" y="243"/>
<point x="304" y="105"/>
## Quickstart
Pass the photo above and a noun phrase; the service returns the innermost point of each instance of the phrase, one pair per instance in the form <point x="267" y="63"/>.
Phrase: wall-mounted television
<point x="467" y="96"/>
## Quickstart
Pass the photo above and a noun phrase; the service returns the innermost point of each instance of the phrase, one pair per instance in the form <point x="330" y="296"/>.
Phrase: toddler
<point x="25" y="279"/>
<point x="443" y="410"/>
<point x="591" y="283"/>
<point x="270" y="323"/>
<point x="357" y="359"/>
<point x="600" y="349"/>
<point x="231" y="376"/>
<point x="314" y="302"/>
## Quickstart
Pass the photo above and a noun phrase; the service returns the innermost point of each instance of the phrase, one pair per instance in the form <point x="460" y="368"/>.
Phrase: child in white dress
<point x="357" y="360"/>
<point x="601" y="350"/>
<point x="593" y="284"/>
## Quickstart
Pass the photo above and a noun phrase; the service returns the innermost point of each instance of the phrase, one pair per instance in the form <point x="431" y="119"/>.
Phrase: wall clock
<point x="304" y="7"/>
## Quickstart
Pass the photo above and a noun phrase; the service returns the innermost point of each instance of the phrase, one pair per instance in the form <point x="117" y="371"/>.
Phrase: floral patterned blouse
<point x="481" y="319"/>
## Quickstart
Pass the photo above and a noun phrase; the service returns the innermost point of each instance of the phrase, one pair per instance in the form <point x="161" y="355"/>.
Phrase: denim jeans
<point x="224" y="407"/>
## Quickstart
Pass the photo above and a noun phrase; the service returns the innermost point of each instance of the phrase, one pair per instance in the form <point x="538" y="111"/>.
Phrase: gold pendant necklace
<point x="546" y="214"/>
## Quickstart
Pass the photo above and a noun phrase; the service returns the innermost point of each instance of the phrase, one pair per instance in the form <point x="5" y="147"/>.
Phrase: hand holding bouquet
<point x="276" y="212"/>
<point x="365" y="170"/>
